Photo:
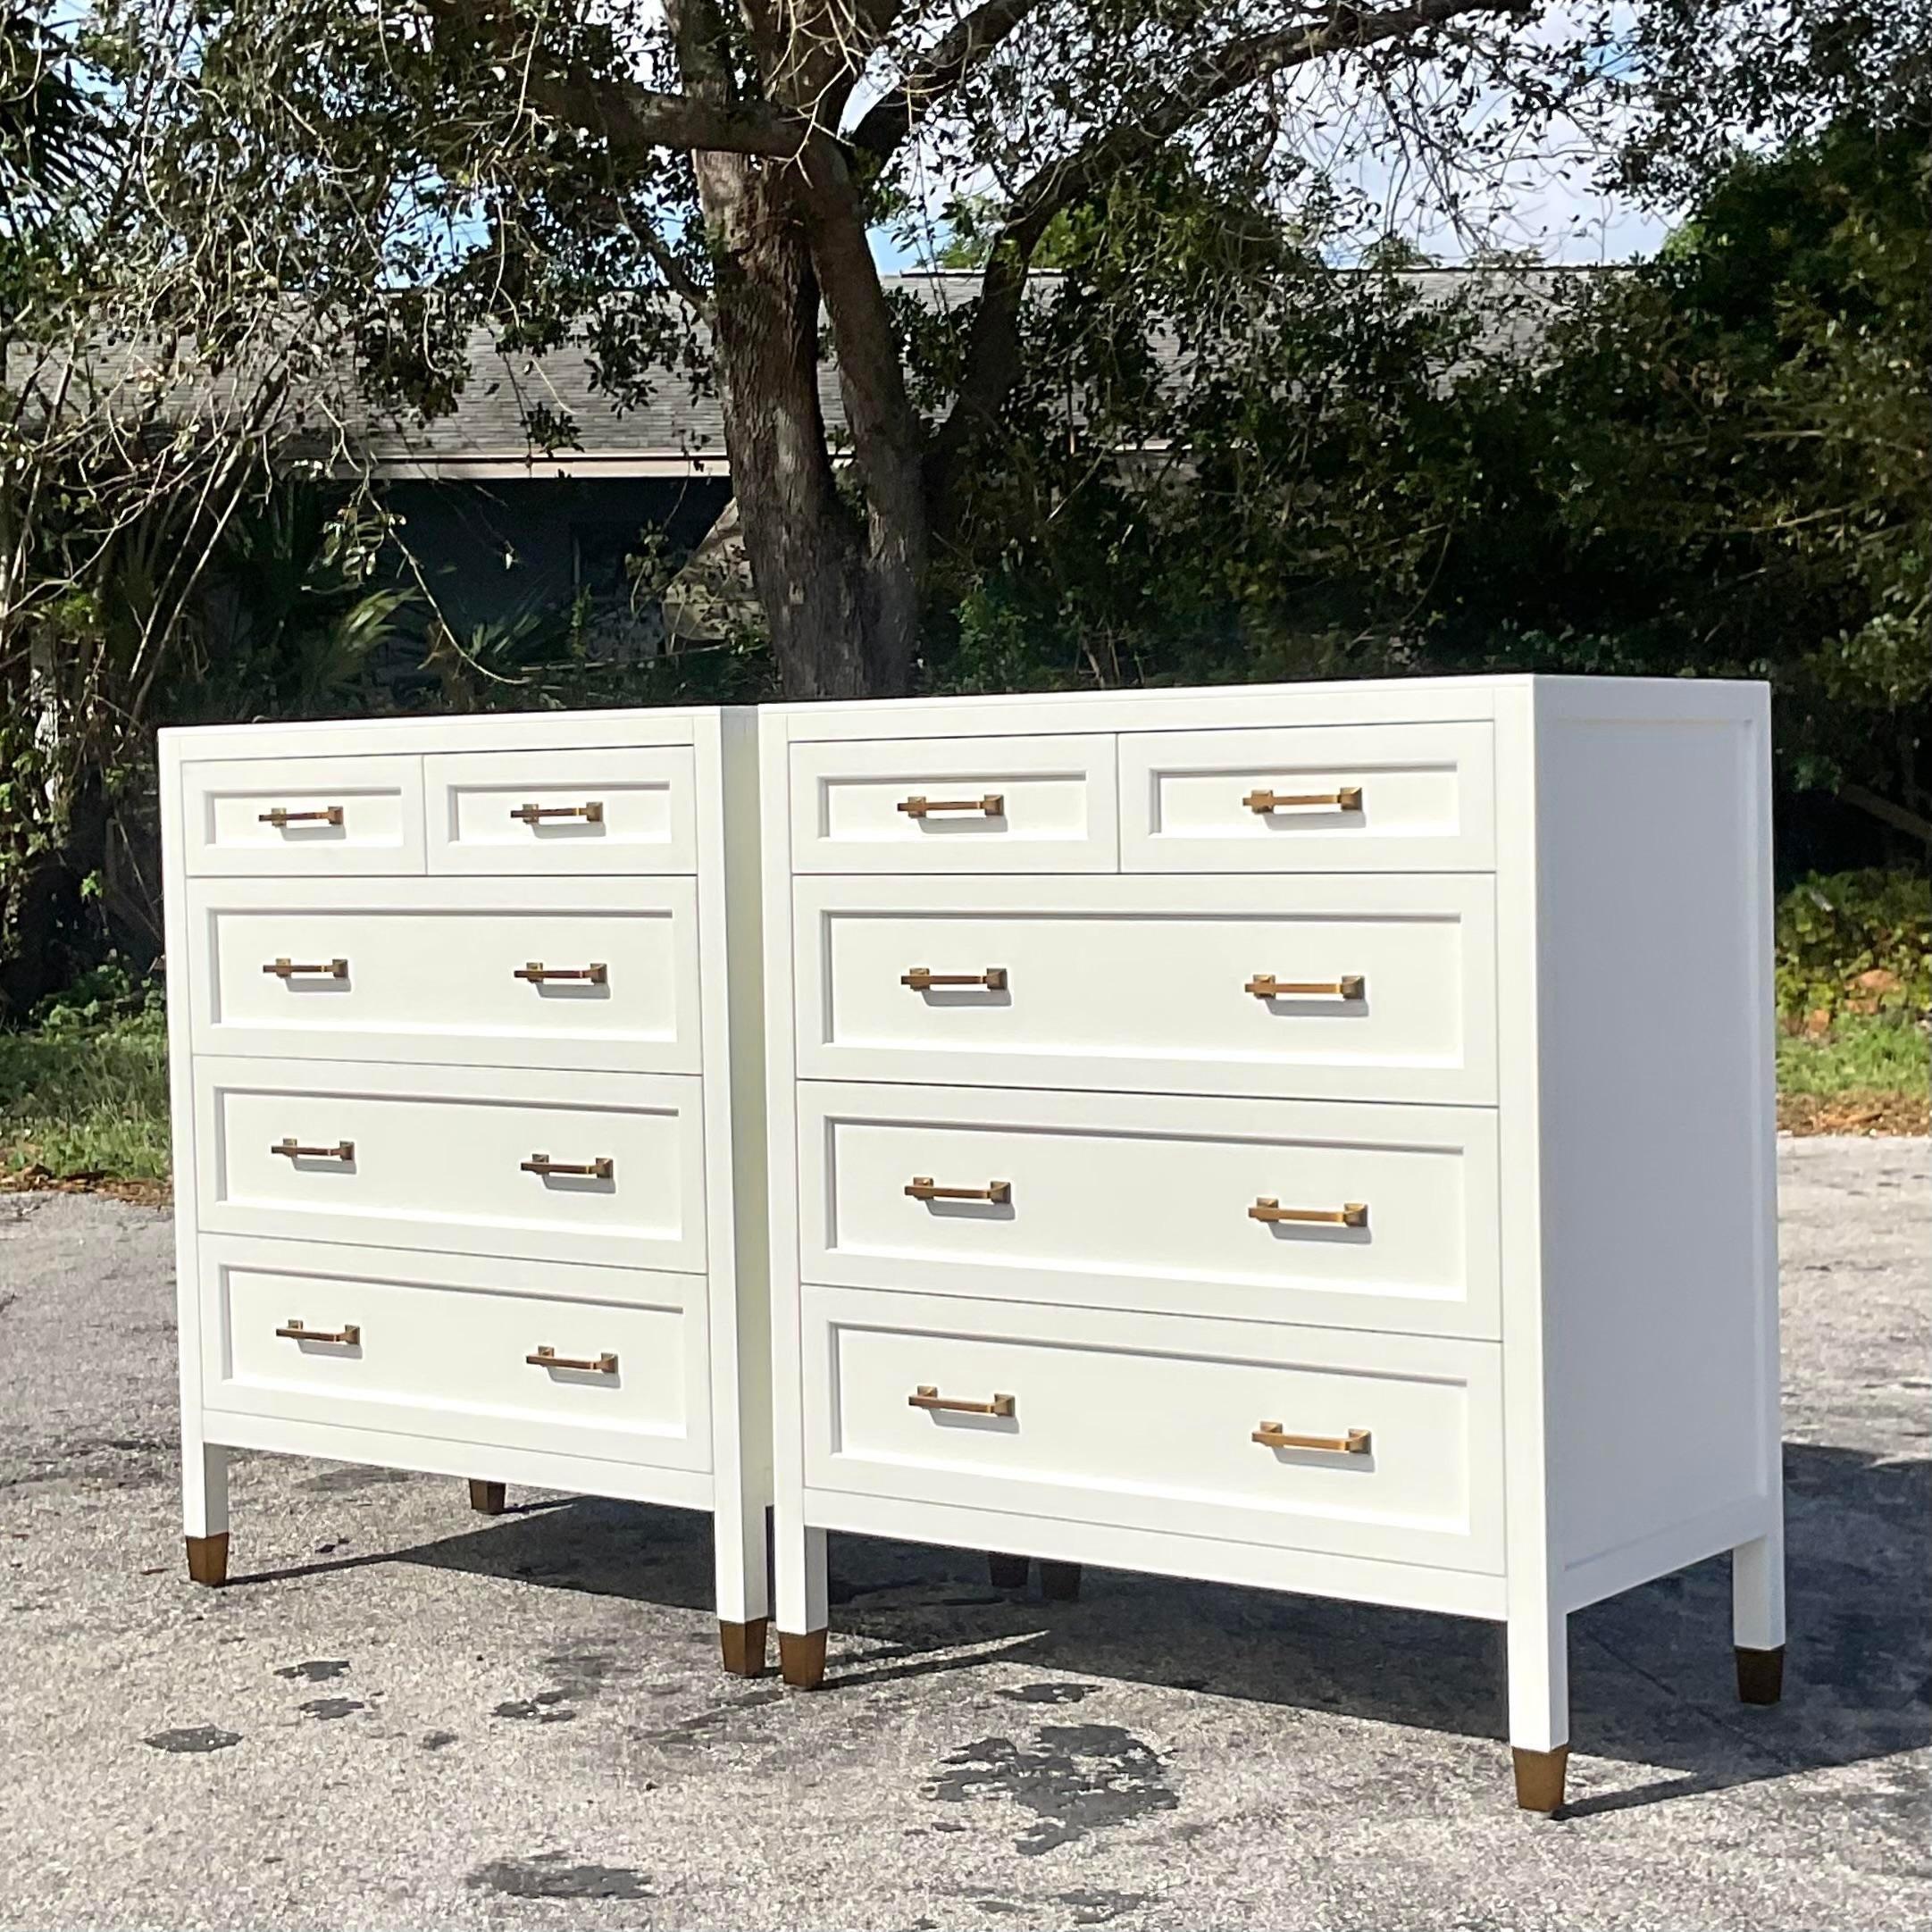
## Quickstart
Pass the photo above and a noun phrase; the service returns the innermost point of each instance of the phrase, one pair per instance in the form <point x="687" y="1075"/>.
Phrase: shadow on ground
<point x="1651" y="1671"/>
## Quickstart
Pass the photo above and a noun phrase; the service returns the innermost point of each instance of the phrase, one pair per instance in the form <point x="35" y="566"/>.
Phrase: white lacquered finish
<point x="966" y="805"/>
<point x="1398" y="797"/>
<point x="1473" y="1195"/>
<point x="552" y="814"/>
<point x="437" y="970"/>
<point x="303" y="818"/>
<point x="1143" y="984"/>
<point x="442" y="1157"/>
<point x="466" y="1058"/>
<point x="1146" y="1201"/>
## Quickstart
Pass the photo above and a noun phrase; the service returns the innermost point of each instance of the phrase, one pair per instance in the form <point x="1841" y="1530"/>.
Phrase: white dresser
<point x="1318" y="1137"/>
<point x="464" y="1026"/>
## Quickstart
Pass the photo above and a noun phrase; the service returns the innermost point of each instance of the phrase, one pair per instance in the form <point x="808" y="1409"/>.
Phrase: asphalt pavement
<point x="402" y="1715"/>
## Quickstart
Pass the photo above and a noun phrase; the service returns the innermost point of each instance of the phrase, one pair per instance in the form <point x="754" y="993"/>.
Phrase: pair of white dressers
<point x="1315" y="1137"/>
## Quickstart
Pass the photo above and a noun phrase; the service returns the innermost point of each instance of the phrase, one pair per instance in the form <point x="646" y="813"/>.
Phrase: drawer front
<point x="439" y="1347"/>
<point x="554" y="813"/>
<point x="1148" y="1422"/>
<point x="955" y="805"/>
<point x="451" y="971"/>
<point x="1142" y="984"/>
<point x="1384" y="798"/>
<point x="302" y="817"/>
<point x="466" y="1160"/>
<point x="1157" y="1201"/>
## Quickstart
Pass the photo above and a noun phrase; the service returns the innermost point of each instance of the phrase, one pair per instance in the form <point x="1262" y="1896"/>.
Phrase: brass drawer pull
<point x="601" y="1169"/>
<point x="287" y="969"/>
<point x="926" y="1396"/>
<point x="597" y="973"/>
<point x="1272" y="1435"/>
<point x="341" y="1150"/>
<point x="1345" y="799"/>
<point x="590" y="1365"/>
<point x="330" y="815"/>
<point x="1265" y="986"/>
<point x="923" y="979"/>
<point x="923" y="1189"/>
<point x="993" y="805"/>
<point x="1353" y="1214"/>
<point x="348" y="1336"/>
<point x="591" y="814"/>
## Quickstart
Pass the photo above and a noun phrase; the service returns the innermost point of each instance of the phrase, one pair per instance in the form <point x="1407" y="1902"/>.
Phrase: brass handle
<point x="593" y="1365"/>
<point x="923" y="1189"/>
<point x="1272" y="1435"/>
<point x="287" y="969"/>
<point x="597" y="973"/>
<point x="348" y="1336"/>
<point x="1345" y="799"/>
<point x="1353" y="1214"/>
<point x="926" y="1396"/>
<point x="599" y="1169"/>
<point x="1265" y="986"/>
<point x="993" y="804"/>
<point x="591" y="814"/>
<point x="341" y="1150"/>
<point x="330" y="815"/>
<point x="922" y="979"/>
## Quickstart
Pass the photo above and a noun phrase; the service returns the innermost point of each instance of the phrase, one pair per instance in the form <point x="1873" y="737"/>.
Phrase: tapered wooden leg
<point x="801" y="1659"/>
<point x="1539" y="1777"/>
<point x="207" y="1560"/>
<point x="489" y="1499"/>
<point x="743" y="1646"/>
<point x="1761" y="1675"/>
<point x="1059" y="1583"/>
<point x="1005" y="1572"/>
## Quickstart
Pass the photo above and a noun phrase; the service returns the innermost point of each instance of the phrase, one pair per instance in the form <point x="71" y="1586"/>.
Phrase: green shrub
<point x="1855" y="943"/>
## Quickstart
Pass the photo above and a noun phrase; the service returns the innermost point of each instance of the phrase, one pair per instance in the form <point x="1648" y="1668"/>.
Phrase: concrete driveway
<point x="404" y="1714"/>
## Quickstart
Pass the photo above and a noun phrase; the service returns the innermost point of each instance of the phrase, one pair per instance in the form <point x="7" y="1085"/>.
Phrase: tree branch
<point x="972" y="42"/>
<point x="1158" y="113"/>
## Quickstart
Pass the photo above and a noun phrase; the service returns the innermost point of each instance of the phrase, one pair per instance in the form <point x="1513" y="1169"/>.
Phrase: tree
<point x="695" y="185"/>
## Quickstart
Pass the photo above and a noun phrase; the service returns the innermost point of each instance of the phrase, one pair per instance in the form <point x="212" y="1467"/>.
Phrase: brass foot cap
<point x="1760" y="1676"/>
<point x="207" y="1560"/>
<point x="1539" y="1778"/>
<point x="1059" y="1583"/>
<point x="1005" y="1572"/>
<point x="801" y="1659"/>
<point x="489" y="1499"/>
<point x="743" y="1646"/>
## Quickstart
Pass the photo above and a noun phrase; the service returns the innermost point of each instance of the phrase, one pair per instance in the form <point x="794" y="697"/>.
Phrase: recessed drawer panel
<point x="955" y="805"/>
<point x="1264" y="1210"/>
<point x="1384" y="798"/>
<point x="1381" y="1446"/>
<point x="1378" y="987"/>
<point x="441" y="1347"/>
<point x="585" y="973"/>
<point x="302" y="817"/>
<point x="473" y="1160"/>
<point x="561" y="812"/>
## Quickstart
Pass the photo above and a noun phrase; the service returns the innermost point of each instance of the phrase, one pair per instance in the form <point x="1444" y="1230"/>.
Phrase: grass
<point x="90" y="1105"/>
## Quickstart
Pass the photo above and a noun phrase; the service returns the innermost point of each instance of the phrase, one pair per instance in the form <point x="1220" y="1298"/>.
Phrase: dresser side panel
<point x="176" y="961"/>
<point x="1656" y="1116"/>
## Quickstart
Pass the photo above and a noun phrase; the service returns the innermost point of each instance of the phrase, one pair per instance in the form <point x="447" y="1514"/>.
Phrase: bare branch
<point x="969" y="46"/>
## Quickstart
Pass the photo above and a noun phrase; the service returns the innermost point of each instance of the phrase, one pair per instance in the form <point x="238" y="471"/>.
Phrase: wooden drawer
<point x="302" y="817"/>
<point x="1140" y="985"/>
<point x="554" y="813"/>
<point x="439" y="971"/>
<point x="433" y="1158"/>
<point x="955" y="805"/>
<point x="1144" y="1421"/>
<point x="1144" y="1200"/>
<point x="440" y="1347"/>
<point x="1381" y="797"/>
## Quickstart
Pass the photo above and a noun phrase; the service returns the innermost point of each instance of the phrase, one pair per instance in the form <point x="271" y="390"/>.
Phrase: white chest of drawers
<point x="1317" y="1138"/>
<point x="464" y="1026"/>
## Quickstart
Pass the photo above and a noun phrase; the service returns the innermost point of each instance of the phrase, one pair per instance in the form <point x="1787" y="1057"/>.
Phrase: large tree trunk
<point x="839" y="570"/>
